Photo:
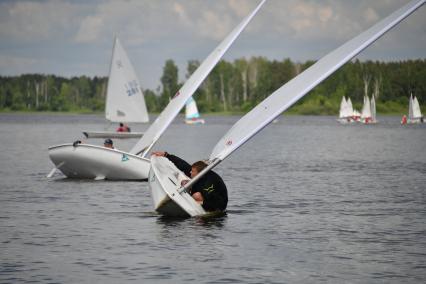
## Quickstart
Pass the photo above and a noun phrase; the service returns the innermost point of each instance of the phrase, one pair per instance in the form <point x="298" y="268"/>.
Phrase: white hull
<point x="164" y="182"/>
<point x="112" y="134"/>
<point x="94" y="162"/>
<point x="195" y="121"/>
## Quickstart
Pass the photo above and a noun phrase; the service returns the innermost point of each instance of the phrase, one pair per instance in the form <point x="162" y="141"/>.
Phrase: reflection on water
<point x="309" y="201"/>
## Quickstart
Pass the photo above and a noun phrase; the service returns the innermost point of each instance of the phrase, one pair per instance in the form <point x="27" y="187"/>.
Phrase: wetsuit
<point x="211" y="186"/>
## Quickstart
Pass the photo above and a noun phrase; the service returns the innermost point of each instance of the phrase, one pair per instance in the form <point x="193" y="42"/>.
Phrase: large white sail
<point x="366" y="108"/>
<point x="125" y="101"/>
<point x="175" y="105"/>
<point x="191" y="110"/>
<point x="290" y="93"/>
<point x="416" y="109"/>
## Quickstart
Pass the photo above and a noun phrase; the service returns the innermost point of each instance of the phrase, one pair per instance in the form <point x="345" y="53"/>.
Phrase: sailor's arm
<point x="178" y="162"/>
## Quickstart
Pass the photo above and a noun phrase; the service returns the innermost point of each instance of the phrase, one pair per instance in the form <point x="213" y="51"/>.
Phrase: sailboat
<point x="95" y="162"/>
<point x="124" y="101"/>
<point x="366" y="111"/>
<point x="414" y="113"/>
<point x="192" y="116"/>
<point x="172" y="199"/>
<point x="346" y="111"/>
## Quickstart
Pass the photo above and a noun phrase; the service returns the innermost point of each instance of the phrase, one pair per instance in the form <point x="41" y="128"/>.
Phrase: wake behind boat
<point x="164" y="177"/>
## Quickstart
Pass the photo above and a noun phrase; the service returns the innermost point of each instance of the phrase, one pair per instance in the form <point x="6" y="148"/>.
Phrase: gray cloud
<point x="75" y="37"/>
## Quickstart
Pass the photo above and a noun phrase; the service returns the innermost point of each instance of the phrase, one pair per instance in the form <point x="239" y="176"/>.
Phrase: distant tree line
<point x="234" y="86"/>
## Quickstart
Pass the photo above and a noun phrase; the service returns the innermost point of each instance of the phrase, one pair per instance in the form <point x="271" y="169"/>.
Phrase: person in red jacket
<point x="123" y="128"/>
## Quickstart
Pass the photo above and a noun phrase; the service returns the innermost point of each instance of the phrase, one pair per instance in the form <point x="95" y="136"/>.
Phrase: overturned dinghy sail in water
<point x="124" y="100"/>
<point x="64" y="156"/>
<point x="164" y="178"/>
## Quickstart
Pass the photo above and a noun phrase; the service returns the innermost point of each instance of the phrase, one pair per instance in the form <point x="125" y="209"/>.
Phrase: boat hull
<point x="87" y="161"/>
<point x="112" y="134"/>
<point x="195" y="121"/>
<point x="164" y="182"/>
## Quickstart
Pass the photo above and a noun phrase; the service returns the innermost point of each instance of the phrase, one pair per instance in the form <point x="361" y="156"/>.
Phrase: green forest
<point x="232" y="87"/>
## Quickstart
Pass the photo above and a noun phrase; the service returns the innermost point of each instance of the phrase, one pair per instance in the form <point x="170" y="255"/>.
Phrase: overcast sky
<point x="73" y="38"/>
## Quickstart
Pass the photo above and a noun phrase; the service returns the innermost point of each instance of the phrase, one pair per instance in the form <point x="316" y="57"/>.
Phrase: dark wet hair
<point x="121" y="124"/>
<point x="200" y="165"/>
<point x="108" y="141"/>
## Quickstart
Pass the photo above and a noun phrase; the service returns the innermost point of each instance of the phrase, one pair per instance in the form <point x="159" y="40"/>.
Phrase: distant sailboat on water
<point x="366" y="114"/>
<point x="414" y="112"/>
<point x="192" y="116"/>
<point x="346" y="111"/>
<point x="124" y="100"/>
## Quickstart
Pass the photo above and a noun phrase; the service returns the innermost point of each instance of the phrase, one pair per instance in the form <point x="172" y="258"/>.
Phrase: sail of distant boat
<point x="414" y="112"/>
<point x="417" y="114"/>
<point x="192" y="116"/>
<point x="125" y="101"/>
<point x="373" y="109"/>
<point x="366" y="109"/>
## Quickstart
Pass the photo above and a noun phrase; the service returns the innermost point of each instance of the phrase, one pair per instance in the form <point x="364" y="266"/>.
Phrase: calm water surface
<point x="310" y="201"/>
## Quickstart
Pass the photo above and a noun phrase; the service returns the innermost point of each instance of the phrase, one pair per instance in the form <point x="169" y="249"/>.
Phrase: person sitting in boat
<point x="123" y="128"/>
<point x="404" y="119"/>
<point x="209" y="191"/>
<point x="108" y="143"/>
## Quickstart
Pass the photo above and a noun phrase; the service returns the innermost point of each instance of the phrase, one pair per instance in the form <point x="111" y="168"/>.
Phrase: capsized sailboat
<point x="170" y="198"/>
<point x="124" y="100"/>
<point x="67" y="160"/>
<point x="192" y="116"/>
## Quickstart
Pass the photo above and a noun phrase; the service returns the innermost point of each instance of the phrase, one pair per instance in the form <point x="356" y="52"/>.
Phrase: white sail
<point x="290" y="93"/>
<point x="191" y="110"/>
<point x="366" y="108"/>
<point x="373" y="109"/>
<point x="125" y="101"/>
<point x="343" y="108"/>
<point x="416" y="109"/>
<point x="175" y="105"/>
<point x="410" y="108"/>
<point x="350" y="107"/>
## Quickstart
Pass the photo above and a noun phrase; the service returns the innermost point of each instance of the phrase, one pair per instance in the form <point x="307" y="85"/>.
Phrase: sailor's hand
<point x="182" y="183"/>
<point x="76" y="143"/>
<point x="159" y="154"/>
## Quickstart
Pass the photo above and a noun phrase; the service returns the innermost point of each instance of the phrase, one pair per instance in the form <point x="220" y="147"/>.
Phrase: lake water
<point x="310" y="201"/>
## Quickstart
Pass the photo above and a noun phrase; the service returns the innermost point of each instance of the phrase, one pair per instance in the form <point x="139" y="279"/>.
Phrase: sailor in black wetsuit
<point x="210" y="190"/>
